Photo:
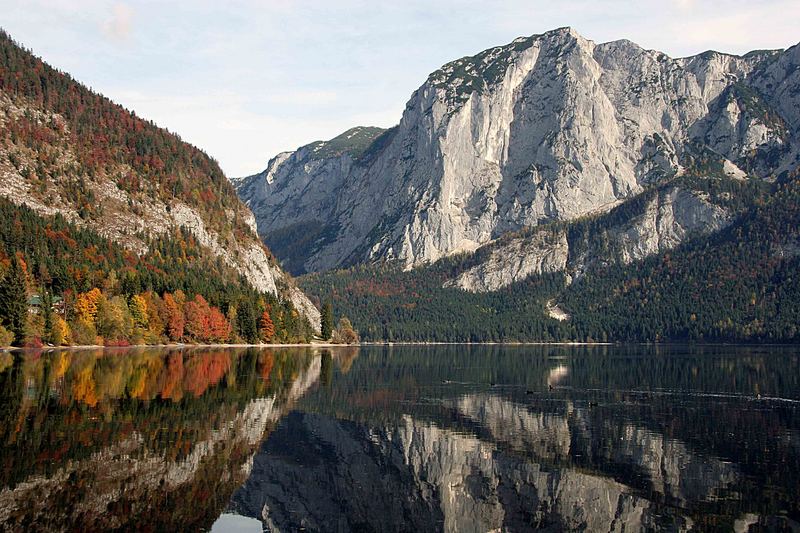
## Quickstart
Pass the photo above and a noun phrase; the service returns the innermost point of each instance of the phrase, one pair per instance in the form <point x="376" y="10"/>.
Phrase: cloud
<point x="118" y="26"/>
<point x="740" y="28"/>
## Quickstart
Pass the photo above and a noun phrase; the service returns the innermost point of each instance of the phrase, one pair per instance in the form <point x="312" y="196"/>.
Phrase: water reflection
<point x="136" y="439"/>
<point x="514" y="439"/>
<point x="401" y="439"/>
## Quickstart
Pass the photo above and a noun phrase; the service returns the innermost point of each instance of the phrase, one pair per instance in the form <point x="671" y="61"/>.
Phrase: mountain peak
<point x="353" y="141"/>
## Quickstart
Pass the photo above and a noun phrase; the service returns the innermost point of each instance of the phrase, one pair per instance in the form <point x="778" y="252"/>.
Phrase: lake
<point x="403" y="438"/>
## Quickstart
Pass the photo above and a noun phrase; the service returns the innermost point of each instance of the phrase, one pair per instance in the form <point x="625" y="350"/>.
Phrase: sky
<point x="245" y="80"/>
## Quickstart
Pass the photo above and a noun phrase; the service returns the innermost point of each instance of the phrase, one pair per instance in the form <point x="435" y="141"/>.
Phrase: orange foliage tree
<point x="265" y="326"/>
<point x="173" y="318"/>
<point x="219" y="329"/>
<point x="197" y="313"/>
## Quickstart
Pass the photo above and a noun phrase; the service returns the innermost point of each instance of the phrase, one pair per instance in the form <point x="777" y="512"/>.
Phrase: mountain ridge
<point x="500" y="141"/>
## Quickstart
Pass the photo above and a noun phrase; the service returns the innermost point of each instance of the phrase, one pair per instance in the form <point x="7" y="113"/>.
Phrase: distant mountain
<point x="549" y="128"/>
<point x="67" y="150"/>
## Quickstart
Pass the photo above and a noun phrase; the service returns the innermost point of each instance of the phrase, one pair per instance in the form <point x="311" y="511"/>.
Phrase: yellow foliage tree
<point x="138" y="308"/>
<point x="86" y="305"/>
<point x="61" y="333"/>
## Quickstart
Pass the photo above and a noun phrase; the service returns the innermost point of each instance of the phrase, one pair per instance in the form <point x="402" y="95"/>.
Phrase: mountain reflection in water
<point x="453" y="438"/>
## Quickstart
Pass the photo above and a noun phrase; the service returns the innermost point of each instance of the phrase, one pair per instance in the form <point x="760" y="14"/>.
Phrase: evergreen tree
<point x="13" y="301"/>
<point x="327" y="321"/>
<point x="47" y="315"/>
<point x="246" y="322"/>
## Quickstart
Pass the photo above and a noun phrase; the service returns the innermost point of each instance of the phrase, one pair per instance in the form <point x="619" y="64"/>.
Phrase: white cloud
<point x="119" y="24"/>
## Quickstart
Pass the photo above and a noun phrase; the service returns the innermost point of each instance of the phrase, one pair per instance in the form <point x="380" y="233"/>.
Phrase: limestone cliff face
<point x="547" y="128"/>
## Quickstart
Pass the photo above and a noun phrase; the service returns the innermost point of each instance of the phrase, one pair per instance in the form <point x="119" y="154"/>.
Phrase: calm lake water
<point x="446" y="438"/>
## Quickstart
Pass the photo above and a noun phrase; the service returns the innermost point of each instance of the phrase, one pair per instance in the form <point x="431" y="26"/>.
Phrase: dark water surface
<point x="445" y="438"/>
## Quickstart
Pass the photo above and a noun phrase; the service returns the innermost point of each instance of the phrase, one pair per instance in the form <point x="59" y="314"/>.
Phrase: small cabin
<point x="35" y="304"/>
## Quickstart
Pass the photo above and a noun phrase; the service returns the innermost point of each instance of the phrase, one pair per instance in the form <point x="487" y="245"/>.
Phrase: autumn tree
<point x="6" y="337"/>
<point x="155" y="314"/>
<point x="173" y="317"/>
<point x="266" y="328"/>
<point x="138" y="309"/>
<point x="219" y="329"/>
<point x="14" y="300"/>
<point x="60" y="335"/>
<point x="86" y="305"/>
<point x="114" y="321"/>
<point x="345" y="333"/>
<point x="197" y="313"/>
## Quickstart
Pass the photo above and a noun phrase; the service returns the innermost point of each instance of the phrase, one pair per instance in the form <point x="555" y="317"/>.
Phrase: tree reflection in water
<point x="137" y="438"/>
<point x="402" y="438"/>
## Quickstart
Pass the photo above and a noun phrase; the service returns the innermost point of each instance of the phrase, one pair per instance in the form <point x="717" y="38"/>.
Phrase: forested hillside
<point x="122" y="221"/>
<point x="741" y="284"/>
<point x="61" y="136"/>
<point x="62" y="284"/>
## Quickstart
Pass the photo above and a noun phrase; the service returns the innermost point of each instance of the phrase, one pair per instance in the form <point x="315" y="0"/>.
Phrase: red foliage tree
<point x="219" y="329"/>
<point x="173" y="318"/>
<point x="198" y="313"/>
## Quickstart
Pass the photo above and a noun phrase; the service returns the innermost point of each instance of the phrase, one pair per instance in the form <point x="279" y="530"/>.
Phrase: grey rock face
<point x="662" y="223"/>
<point x="548" y="128"/>
<point x="543" y="252"/>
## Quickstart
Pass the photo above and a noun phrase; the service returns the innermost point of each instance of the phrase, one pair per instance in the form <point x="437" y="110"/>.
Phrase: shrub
<point x="6" y="337"/>
<point x="83" y="333"/>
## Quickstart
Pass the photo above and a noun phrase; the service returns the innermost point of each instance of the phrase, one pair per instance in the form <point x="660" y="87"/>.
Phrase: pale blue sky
<point x="244" y="79"/>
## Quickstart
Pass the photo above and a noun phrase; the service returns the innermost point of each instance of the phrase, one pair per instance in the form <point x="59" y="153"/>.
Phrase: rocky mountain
<point x="655" y="221"/>
<point x="67" y="150"/>
<point x="547" y="129"/>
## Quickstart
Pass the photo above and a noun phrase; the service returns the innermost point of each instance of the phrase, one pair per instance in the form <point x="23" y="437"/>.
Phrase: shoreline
<point x="177" y="346"/>
<point x="181" y="346"/>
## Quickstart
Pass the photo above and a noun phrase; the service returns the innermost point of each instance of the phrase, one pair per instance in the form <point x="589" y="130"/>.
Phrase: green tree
<point x="13" y="301"/>
<point x="327" y="321"/>
<point x="47" y="315"/>
<point x="246" y="322"/>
